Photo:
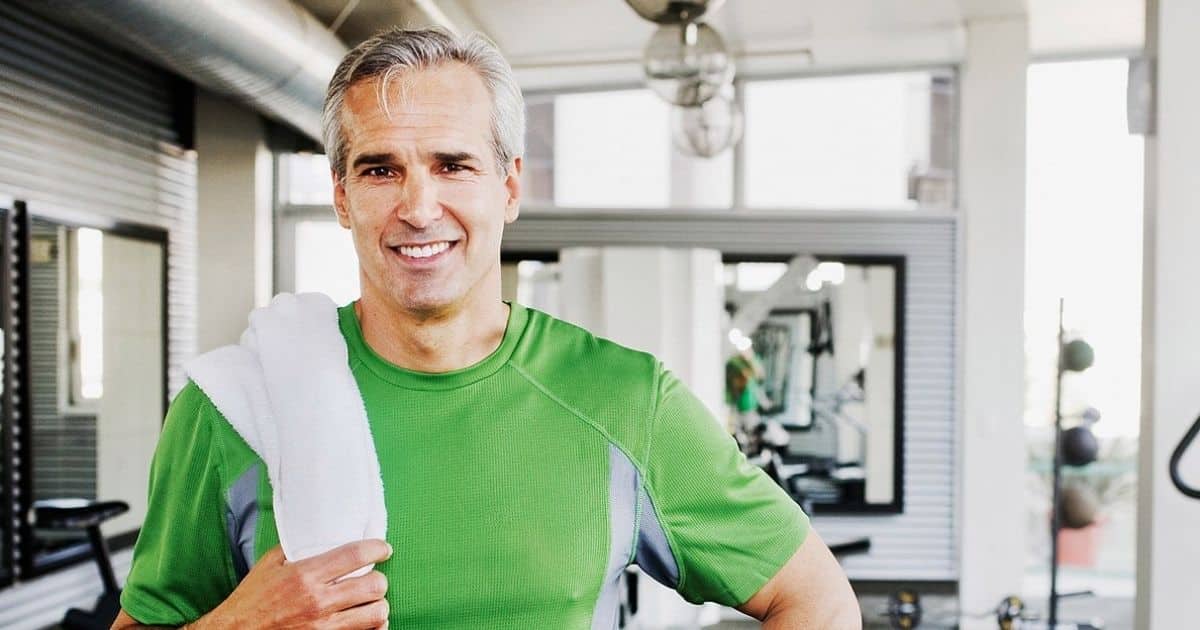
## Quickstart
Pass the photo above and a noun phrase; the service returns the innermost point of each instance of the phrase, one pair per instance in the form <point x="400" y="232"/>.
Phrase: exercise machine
<point x="75" y="515"/>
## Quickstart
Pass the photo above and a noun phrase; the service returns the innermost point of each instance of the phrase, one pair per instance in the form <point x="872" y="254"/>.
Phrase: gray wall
<point x="235" y="177"/>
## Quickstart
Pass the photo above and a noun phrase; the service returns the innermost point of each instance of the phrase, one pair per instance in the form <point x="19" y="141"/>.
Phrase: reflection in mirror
<point x="96" y="374"/>
<point x="812" y="375"/>
<point x="812" y="378"/>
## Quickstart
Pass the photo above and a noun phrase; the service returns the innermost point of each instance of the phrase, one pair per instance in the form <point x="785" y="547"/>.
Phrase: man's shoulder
<point x="194" y="423"/>
<point x="611" y="385"/>
<point x="555" y="347"/>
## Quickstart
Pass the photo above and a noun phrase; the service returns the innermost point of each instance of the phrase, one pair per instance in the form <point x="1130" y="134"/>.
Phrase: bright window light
<point x="308" y="180"/>
<point x="325" y="260"/>
<point x="1083" y="238"/>
<point x="847" y="142"/>
<point x="612" y="149"/>
<point x="90" y="311"/>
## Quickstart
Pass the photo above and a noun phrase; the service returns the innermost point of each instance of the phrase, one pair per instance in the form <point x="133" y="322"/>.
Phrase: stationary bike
<point x="73" y="515"/>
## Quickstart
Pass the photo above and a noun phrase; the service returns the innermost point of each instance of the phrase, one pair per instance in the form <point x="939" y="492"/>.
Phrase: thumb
<point x="274" y="555"/>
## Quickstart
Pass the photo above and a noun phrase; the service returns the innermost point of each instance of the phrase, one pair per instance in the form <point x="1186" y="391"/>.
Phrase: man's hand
<point x="305" y="594"/>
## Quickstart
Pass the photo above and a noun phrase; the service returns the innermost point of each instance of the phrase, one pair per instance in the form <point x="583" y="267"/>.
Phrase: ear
<point x="339" y="200"/>
<point x="512" y="208"/>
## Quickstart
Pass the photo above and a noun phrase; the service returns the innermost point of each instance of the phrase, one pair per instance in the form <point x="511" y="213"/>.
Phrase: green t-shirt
<point x="517" y="490"/>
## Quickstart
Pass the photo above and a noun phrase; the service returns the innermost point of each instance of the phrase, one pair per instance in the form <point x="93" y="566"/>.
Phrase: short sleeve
<point x="182" y="563"/>
<point x="729" y="526"/>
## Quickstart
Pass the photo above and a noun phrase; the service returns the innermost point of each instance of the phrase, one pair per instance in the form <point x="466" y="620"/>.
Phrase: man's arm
<point x="810" y="591"/>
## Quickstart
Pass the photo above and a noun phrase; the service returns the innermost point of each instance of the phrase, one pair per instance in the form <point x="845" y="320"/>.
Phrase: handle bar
<point x="1177" y="455"/>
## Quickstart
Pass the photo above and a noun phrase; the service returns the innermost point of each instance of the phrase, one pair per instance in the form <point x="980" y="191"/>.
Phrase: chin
<point x="426" y="303"/>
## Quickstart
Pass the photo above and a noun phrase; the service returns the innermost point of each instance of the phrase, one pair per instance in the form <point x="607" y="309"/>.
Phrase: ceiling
<point x="556" y="43"/>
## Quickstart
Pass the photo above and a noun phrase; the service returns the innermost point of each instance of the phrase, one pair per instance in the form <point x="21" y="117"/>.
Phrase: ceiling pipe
<point x="271" y="54"/>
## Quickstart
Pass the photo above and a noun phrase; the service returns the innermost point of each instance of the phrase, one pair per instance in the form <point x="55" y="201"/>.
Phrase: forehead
<point x="448" y="102"/>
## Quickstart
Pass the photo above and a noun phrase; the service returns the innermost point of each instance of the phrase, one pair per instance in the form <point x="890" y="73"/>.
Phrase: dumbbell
<point x="904" y="610"/>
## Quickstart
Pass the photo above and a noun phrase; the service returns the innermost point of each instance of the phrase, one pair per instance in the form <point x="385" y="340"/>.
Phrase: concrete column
<point x="234" y="192"/>
<point x="992" y="459"/>
<point x="667" y="302"/>
<point x="698" y="182"/>
<point x="1168" y="522"/>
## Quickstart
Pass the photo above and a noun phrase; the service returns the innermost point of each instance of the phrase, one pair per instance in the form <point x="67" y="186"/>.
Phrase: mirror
<point x="97" y="366"/>
<point x="812" y="385"/>
<point x="813" y="369"/>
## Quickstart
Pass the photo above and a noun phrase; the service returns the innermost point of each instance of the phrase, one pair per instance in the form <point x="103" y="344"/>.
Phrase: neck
<point x="432" y="343"/>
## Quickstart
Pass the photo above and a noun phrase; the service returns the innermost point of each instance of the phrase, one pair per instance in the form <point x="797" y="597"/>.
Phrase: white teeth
<point x="424" y="251"/>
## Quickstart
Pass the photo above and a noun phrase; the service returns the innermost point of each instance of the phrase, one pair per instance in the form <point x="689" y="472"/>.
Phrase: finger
<point x="339" y="561"/>
<point x="364" y="617"/>
<point x="358" y="591"/>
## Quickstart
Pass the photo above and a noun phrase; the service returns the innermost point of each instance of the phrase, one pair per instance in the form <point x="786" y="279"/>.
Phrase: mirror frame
<point x="8" y="567"/>
<point x="899" y="263"/>
<point x="25" y="213"/>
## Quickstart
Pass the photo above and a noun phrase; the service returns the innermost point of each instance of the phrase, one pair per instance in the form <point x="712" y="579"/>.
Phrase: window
<point x="306" y="179"/>
<point x="613" y="150"/>
<point x="313" y="252"/>
<point x="92" y="401"/>
<point x="878" y="142"/>
<point x="325" y="260"/>
<point x="1084" y="244"/>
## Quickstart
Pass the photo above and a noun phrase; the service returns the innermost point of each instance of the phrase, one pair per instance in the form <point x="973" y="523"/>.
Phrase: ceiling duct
<point x="271" y="54"/>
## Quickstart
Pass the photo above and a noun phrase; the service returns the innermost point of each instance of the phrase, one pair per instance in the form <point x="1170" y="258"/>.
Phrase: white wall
<point x="1168" y="545"/>
<point x="992" y="167"/>
<point x="235" y="180"/>
<point x="131" y="408"/>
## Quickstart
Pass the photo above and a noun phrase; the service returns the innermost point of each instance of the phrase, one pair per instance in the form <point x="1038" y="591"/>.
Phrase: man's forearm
<point x="206" y="622"/>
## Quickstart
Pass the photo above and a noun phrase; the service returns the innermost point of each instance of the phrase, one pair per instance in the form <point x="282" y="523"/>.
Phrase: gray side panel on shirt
<point x="653" y="551"/>
<point x="623" y="485"/>
<point x="241" y="519"/>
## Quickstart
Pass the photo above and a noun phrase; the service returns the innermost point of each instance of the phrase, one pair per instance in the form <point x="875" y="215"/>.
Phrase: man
<point x="525" y="463"/>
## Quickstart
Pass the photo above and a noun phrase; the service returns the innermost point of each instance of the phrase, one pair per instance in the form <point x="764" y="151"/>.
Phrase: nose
<point x="418" y="204"/>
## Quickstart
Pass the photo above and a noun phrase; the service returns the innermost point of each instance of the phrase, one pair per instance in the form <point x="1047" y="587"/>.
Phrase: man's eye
<point x="378" y="172"/>
<point x="456" y="168"/>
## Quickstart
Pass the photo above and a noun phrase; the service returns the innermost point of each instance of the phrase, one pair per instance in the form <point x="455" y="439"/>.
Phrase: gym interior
<point x="927" y="262"/>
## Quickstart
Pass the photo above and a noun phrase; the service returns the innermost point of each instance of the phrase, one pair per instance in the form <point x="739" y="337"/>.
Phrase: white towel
<point x="288" y="391"/>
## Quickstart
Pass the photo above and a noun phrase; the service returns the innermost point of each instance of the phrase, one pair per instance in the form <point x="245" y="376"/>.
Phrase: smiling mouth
<point x="425" y="252"/>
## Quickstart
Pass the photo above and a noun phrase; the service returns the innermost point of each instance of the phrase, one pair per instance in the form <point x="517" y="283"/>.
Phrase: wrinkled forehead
<point x="450" y="94"/>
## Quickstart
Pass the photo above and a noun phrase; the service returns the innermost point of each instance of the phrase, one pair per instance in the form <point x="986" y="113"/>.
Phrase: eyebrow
<point x="449" y="157"/>
<point x="372" y="158"/>
<point x="453" y="157"/>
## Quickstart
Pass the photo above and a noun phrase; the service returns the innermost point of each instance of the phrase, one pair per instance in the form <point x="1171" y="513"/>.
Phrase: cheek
<point x="365" y="230"/>
<point x="480" y="210"/>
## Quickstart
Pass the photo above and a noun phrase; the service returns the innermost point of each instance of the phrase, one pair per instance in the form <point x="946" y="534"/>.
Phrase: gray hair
<point x="396" y="50"/>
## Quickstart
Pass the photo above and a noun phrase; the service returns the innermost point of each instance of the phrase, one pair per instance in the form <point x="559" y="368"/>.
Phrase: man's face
<point x="423" y="196"/>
